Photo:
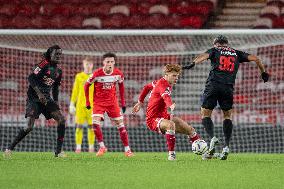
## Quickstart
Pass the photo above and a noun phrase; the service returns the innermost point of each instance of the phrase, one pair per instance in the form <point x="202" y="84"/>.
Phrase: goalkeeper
<point x="77" y="106"/>
<point x="219" y="87"/>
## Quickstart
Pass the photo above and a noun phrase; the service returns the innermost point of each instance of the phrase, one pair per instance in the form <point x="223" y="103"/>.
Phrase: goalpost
<point x="258" y="114"/>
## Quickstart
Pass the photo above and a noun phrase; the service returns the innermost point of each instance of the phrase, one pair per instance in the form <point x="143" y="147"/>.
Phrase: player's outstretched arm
<point x="199" y="59"/>
<point x="257" y="60"/>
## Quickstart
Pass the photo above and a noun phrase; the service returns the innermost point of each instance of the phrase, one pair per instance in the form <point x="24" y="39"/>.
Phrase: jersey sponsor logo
<point x="108" y="85"/>
<point x="108" y="79"/>
<point x="48" y="81"/>
<point x="37" y="70"/>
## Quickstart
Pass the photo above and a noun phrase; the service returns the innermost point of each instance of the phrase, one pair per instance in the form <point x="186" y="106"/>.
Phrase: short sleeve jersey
<point x="160" y="99"/>
<point x="225" y="64"/>
<point x="105" y="86"/>
<point x="46" y="75"/>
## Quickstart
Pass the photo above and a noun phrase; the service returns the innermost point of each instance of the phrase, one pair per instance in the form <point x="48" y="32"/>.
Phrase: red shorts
<point x="154" y="123"/>
<point x="113" y="111"/>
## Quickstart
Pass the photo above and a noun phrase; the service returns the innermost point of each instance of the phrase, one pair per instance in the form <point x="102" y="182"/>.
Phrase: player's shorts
<point x="218" y="92"/>
<point x="34" y="109"/>
<point x="83" y="116"/>
<point x="113" y="111"/>
<point x="154" y="123"/>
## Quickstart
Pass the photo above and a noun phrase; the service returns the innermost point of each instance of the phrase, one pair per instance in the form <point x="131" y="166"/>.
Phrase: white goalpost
<point x="258" y="110"/>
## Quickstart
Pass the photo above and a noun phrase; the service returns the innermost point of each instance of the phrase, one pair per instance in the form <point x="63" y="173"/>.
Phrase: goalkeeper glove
<point x="72" y="108"/>
<point x="265" y="76"/>
<point x="189" y="66"/>
<point x="123" y="109"/>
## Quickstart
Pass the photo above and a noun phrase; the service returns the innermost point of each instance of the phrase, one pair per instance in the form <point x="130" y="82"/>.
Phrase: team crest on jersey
<point x="37" y="70"/>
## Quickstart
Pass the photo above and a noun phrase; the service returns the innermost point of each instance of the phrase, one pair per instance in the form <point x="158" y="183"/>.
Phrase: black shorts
<point x="218" y="92"/>
<point x="34" y="109"/>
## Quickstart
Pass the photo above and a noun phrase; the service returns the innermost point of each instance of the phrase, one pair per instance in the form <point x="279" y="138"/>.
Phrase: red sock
<point x="123" y="135"/>
<point x="98" y="132"/>
<point x="171" y="141"/>
<point x="194" y="137"/>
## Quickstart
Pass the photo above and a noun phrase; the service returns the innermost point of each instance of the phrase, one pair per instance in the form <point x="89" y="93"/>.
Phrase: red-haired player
<point x="157" y="117"/>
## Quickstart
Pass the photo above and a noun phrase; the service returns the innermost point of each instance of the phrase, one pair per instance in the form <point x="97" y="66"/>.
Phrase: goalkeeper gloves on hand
<point x="265" y="76"/>
<point x="189" y="66"/>
<point x="72" y="108"/>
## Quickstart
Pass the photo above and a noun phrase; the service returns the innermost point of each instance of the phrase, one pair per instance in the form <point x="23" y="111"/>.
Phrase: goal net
<point x="258" y="107"/>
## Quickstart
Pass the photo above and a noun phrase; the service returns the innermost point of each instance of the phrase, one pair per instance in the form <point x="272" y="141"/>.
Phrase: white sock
<point x="171" y="152"/>
<point x="102" y="144"/>
<point x="91" y="146"/>
<point x="126" y="148"/>
<point x="78" y="146"/>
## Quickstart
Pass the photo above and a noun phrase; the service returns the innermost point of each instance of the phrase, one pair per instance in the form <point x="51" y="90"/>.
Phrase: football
<point x="199" y="147"/>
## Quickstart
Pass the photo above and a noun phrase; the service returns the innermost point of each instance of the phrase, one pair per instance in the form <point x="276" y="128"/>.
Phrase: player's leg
<point x="226" y="104"/>
<point x="99" y="134"/>
<point x="91" y="133"/>
<point x="91" y="138"/>
<point x="59" y="118"/>
<point x="79" y="121"/>
<point x="209" y="102"/>
<point x="32" y="113"/>
<point x="78" y="137"/>
<point x="118" y="122"/>
<point x="183" y="127"/>
<point x="20" y="136"/>
<point x="116" y="116"/>
<point x="168" y="127"/>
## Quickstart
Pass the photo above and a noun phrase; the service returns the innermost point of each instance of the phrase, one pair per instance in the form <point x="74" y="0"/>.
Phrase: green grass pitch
<point x="145" y="170"/>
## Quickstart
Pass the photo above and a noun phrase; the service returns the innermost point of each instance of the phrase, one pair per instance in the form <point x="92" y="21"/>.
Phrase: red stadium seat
<point x="5" y="22"/>
<point x="194" y="22"/>
<point x="263" y="23"/>
<point x="159" y="9"/>
<point x="114" y="21"/>
<point x="158" y="21"/>
<point x="143" y="8"/>
<point x="40" y="22"/>
<point x="270" y="12"/>
<point x="7" y="10"/>
<point x="122" y="9"/>
<point x="135" y="21"/>
<point x="21" y="22"/>
<point x="27" y="10"/>
<point x="92" y="22"/>
<point x="73" y="22"/>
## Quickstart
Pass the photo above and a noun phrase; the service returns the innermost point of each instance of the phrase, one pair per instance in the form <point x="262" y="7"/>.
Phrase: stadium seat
<point x="73" y="22"/>
<point x="263" y="23"/>
<point x="157" y="21"/>
<point x="21" y="22"/>
<point x="92" y="22"/>
<point x="40" y="22"/>
<point x="277" y="3"/>
<point x="7" y="9"/>
<point x="143" y="8"/>
<point x="136" y="21"/>
<point x="122" y="9"/>
<point x="270" y="12"/>
<point x="27" y="10"/>
<point x="160" y="9"/>
<point x="5" y="22"/>
<point x="194" y="22"/>
<point x="114" y="21"/>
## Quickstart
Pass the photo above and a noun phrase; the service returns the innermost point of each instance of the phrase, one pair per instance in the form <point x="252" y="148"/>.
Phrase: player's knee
<point x="205" y="112"/>
<point x="79" y="126"/>
<point x="172" y="126"/>
<point x="227" y="114"/>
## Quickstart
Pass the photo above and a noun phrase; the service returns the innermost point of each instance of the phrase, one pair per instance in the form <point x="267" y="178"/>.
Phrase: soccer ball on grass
<point x="199" y="147"/>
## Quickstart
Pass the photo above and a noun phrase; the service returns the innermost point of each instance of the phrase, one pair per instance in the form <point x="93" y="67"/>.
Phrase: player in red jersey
<point x="157" y="117"/>
<point x="105" y="100"/>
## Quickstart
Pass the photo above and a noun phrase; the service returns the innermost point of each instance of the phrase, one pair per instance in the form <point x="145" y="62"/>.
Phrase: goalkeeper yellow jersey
<point x="78" y="94"/>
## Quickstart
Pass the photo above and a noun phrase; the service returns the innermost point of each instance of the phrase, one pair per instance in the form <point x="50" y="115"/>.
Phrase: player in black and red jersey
<point x="220" y="87"/>
<point x="45" y="77"/>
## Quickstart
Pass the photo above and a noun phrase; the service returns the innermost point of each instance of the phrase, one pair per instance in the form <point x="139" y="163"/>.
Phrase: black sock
<point x="227" y="129"/>
<point x="22" y="133"/>
<point x="209" y="126"/>
<point x="60" y="137"/>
